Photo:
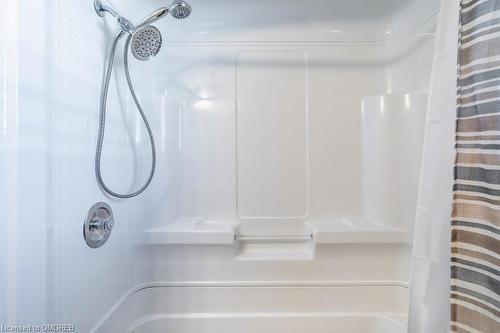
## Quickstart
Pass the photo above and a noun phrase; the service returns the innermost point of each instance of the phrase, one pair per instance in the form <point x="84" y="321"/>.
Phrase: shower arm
<point x="101" y="8"/>
<point x="125" y="24"/>
<point x="180" y="10"/>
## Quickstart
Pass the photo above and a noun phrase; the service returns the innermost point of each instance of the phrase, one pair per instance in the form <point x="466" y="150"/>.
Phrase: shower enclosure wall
<point x="288" y="142"/>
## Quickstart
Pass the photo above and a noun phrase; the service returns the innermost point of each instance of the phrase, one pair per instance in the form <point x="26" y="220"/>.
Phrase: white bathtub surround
<point x="289" y="139"/>
<point x="430" y="275"/>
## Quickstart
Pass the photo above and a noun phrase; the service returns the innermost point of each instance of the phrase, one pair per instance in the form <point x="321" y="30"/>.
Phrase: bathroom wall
<point x="227" y="58"/>
<point x="52" y="61"/>
<point x="274" y="126"/>
<point x="23" y="191"/>
<point x="8" y="79"/>
<point x="393" y="128"/>
<point x="88" y="281"/>
<point x="261" y="111"/>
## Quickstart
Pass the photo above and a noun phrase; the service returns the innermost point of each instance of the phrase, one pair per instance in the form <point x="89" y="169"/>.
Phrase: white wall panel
<point x="272" y="137"/>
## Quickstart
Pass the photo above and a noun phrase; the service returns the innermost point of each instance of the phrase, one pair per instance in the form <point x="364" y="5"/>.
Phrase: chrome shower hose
<point x="102" y="120"/>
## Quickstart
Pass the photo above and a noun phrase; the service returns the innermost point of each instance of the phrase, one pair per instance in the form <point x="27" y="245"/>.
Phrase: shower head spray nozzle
<point x="180" y="9"/>
<point x="146" y="42"/>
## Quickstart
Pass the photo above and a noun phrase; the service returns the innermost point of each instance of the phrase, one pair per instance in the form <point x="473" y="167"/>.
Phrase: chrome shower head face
<point x="180" y="9"/>
<point x="146" y="42"/>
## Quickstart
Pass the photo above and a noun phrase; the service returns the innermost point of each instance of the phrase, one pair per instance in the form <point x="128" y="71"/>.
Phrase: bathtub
<point x="244" y="308"/>
<point x="292" y="323"/>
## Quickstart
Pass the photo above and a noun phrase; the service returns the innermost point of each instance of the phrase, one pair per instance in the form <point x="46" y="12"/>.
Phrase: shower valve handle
<point x="99" y="224"/>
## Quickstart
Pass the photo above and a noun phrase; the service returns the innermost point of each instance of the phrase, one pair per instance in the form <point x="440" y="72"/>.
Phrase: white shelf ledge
<point x="346" y="233"/>
<point x="199" y="231"/>
<point x="192" y="231"/>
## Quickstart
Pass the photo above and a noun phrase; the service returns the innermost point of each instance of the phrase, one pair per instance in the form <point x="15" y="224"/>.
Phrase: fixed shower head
<point x="180" y="9"/>
<point x="146" y="42"/>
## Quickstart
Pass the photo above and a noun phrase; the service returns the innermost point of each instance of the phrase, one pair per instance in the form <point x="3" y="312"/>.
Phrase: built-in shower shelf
<point x="342" y="233"/>
<point x="201" y="231"/>
<point x="192" y="231"/>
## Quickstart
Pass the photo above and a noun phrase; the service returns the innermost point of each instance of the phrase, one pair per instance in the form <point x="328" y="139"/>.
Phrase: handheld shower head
<point x="154" y="16"/>
<point x="180" y="9"/>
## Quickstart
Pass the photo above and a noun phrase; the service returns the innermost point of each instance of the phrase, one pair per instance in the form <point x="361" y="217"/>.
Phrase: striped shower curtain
<point x="475" y="249"/>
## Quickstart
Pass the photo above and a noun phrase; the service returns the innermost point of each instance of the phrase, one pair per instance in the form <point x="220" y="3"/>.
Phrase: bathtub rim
<point x="249" y="284"/>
